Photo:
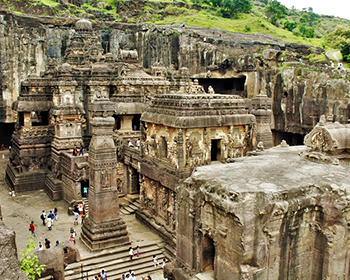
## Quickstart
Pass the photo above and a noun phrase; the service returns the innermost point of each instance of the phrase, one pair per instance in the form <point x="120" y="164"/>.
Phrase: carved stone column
<point x="103" y="228"/>
<point x="261" y="109"/>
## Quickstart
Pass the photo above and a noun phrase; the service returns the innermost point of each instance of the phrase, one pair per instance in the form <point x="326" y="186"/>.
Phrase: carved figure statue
<point x="57" y="258"/>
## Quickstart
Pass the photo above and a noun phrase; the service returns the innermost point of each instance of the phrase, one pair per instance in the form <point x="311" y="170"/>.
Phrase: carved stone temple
<point x="193" y="142"/>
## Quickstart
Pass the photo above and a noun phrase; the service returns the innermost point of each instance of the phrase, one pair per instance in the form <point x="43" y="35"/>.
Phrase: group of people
<point x="48" y="219"/>
<point x="138" y="144"/>
<point x="81" y="150"/>
<point x="79" y="211"/>
<point x="47" y="244"/>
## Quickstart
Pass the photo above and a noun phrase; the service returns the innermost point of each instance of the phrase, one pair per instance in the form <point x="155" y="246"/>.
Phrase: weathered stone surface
<point x="285" y="218"/>
<point x="9" y="264"/>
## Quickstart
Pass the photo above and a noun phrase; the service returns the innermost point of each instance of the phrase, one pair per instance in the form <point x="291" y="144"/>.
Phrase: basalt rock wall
<point x="300" y="97"/>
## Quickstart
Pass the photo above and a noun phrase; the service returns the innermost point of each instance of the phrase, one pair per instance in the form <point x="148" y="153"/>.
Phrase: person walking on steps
<point x="131" y="253"/>
<point x="103" y="275"/>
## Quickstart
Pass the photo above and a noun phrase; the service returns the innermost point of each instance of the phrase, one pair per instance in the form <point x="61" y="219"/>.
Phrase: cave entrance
<point x="208" y="253"/>
<point x="225" y="86"/>
<point x="293" y="139"/>
<point x="84" y="188"/>
<point x="215" y="149"/>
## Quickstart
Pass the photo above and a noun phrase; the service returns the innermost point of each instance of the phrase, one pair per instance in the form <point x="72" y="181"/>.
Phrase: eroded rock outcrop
<point x="287" y="218"/>
<point x="9" y="264"/>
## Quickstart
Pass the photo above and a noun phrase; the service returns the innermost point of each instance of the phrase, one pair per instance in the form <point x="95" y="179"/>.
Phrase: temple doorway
<point x="215" y="149"/>
<point x="208" y="253"/>
<point x="84" y="188"/>
<point x="135" y="183"/>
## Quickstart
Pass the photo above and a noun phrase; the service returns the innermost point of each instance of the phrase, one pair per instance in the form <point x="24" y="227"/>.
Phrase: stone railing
<point x="72" y="165"/>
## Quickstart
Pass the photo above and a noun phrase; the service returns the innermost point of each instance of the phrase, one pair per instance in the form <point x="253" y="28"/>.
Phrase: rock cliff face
<point x="300" y="96"/>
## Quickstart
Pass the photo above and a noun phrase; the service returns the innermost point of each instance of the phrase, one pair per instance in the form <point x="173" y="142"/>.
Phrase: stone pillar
<point x="103" y="228"/>
<point x="261" y="109"/>
<point x="126" y="123"/>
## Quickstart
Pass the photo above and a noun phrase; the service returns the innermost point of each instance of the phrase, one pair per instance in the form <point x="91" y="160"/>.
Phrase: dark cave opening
<point x="225" y="86"/>
<point x="293" y="139"/>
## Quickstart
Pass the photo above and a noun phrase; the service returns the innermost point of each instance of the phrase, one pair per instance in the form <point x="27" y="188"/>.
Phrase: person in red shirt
<point x="32" y="228"/>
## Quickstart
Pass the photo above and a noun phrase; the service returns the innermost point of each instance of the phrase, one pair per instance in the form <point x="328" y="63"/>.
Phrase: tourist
<point x="76" y="216"/>
<point x="55" y="212"/>
<point x="332" y="64"/>
<point x="10" y="148"/>
<point x="133" y="277"/>
<point x="137" y="251"/>
<point x="163" y="264"/>
<point x="81" y="150"/>
<point x="51" y="216"/>
<point x="83" y="216"/>
<point x="72" y="232"/>
<point x="123" y="277"/>
<point x="138" y="143"/>
<point x="47" y="243"/>
<point x="131" y="253"/>
<point x="43" y="217"/>
<point x="2" y="147"/>
<point x="80" y="208"/>
<point x="41" y="247"/>
<point x="103" y="275"/>
<point x="75" y="151"/>
<point x="72" y="235"/>
<point x="340" y="66"/>
<point x="32" y="228"/>
<point x="130" y="144"/>
<point x="49" y="224"/>
<point x="57" y="243"/>
<point x="149" y="277"/>
<point x="155" y="262"/>
<point x="128" y="276"/>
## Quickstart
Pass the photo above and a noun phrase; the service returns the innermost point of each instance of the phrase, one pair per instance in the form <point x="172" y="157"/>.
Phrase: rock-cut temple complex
<point x="97" y="126"/>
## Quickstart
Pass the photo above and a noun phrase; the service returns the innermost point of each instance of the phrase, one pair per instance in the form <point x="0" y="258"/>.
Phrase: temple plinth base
<point x="104" y="235"/>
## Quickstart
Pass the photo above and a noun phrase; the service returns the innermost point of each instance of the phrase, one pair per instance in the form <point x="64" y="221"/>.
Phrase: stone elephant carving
<point x="57" y="258"/>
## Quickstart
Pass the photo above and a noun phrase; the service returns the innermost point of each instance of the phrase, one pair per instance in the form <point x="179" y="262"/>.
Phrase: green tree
<point x="230" y="8"/>
<point x="345" y="51"/>
<point x="308" y="32"/>
<point x="290" y="25"/>
<point x="338" y="38"/>
<point x="30" y="262"/>
<point x="275" y="11"/>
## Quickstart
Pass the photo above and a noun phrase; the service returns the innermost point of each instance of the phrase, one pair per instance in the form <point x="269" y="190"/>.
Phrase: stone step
<point x="129" y="209"/>
<point x="117" y="262"/>
<point x="91" y="261"/>
<point x="117" y="267"/>
<point x="133" y="207"/>
<point x="207" y="275"/>
<point x="124" y="211"/>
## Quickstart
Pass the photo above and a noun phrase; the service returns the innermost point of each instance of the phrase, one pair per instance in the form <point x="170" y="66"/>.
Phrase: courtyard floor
<point x="20" y="210"/>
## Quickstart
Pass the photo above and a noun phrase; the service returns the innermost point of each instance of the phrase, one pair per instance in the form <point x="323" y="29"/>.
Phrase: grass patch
<point x="49" y="3"/>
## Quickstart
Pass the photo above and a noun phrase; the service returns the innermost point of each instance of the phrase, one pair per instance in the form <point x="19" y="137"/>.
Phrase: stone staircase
<point x="116" y="262"/>
<point x="131" y="207"/>
<point x="86" y="205"/>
